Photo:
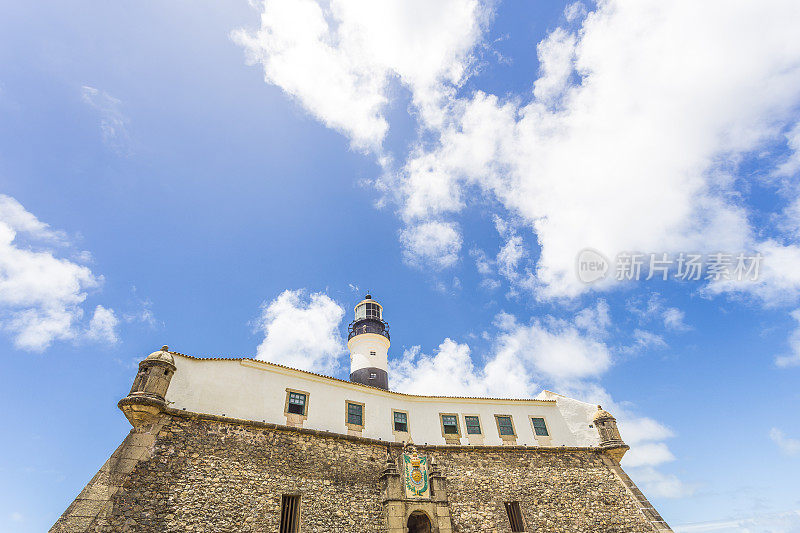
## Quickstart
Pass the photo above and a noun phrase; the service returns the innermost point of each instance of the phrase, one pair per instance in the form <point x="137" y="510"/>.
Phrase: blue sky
<point x="211" y="176"/>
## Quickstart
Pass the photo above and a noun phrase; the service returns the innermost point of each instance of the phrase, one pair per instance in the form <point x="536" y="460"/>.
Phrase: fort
<point x="245" y="445"/>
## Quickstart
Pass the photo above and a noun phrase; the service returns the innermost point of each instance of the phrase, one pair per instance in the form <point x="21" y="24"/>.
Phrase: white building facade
<point x="260" y="391"/>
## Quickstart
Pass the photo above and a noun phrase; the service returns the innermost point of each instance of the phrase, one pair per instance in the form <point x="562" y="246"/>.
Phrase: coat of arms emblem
<point x="415" y="469"/>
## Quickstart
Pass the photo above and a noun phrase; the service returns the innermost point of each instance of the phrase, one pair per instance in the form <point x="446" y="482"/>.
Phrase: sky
<point x="599" y="199"/>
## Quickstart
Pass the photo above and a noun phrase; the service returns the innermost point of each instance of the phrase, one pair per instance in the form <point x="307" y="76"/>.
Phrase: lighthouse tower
<point x="368" y="342"/>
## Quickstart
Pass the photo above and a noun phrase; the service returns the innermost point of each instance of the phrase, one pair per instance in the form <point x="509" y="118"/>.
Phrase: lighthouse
<point x="368" y="343"/>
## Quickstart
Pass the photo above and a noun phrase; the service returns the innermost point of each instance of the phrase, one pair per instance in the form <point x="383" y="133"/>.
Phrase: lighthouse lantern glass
<point x="368" y="310"/>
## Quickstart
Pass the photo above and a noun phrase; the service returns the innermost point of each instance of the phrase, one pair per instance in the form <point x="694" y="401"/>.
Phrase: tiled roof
<point x="268" y="363"/>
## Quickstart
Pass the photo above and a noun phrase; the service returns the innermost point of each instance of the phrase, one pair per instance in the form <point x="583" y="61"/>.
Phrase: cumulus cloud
<point x="337" y="58"/>
<point x="301" y="330"/>
<point x="554" y="349"/>
<point x="654" y="135"/>
<point x="103" y="325"/>
<point x="778" y="279"/>
<point x="788" y="445"/>
<point x="419" y="373"/>
<point x="19" y="219"/>
<point x="113" y="123"/>
<point x="556" y="55"/>
<point x="431" y="244"/>
<point x="549" y="350"/>
<point x="525" y="358"/>
<point x="627" y="141"/>
<point x="41" y="294"/>
<point x="646" y="454"/>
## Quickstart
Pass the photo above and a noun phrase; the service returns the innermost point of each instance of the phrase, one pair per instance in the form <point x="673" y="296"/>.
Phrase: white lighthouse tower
<point x="368" y="342"/>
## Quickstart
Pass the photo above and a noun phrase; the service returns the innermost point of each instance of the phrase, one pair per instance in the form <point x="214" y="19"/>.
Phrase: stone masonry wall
<point x="558" y="491"/>
<point x="207" y="474"/>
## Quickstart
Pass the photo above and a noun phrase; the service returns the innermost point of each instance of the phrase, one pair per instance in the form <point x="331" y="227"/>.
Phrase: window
<point x="355" y="414"/>
<point x="539" y="427"/>
<point x="290" y="514"/>
<point x="400" y="421"/>
<point x="372" y="354"/>
<point x="504" y="425"/>
<point x="450" y="424"/>
<point x="515" y="516"/>
<point x="373" y="311"/>
<point x="373" y="375"/>
<point x="473" y="424"/>
<point x="297" y="403"/>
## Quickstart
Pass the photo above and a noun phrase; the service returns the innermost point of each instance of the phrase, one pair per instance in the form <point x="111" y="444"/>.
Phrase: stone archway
<point x="419" y="522"/>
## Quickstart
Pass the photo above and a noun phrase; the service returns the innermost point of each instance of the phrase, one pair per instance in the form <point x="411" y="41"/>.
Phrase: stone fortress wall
<point x="204" y="473"/>
<point x="181" y="469"/>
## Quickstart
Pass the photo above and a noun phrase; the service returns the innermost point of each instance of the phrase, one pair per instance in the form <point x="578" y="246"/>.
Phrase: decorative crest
<point x="415" y="472"/>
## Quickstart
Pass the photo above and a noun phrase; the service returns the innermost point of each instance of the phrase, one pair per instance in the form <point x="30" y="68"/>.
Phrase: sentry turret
<point x="368" y="342"/>
<point x="147" y="398"/>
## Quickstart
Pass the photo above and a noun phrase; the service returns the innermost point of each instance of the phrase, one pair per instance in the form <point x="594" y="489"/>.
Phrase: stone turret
<point x="147" y="397"/>
<point x="610" y="438"/>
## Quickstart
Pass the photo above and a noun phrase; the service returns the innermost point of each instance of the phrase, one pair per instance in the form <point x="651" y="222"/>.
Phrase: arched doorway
<point x="419" y="522"/>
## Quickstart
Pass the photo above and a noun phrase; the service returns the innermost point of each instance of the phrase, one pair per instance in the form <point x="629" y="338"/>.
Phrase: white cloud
<point x="301" y="330"/>
<point x="651" y="453"/>
<point x="644" y="339"/>
<point x="41" y="295"/>
<point x="643" y="429"/>
<point x="509" y="257"/>
<point x="490" y="284"/>
<point x="419" y="373"/>
<point x="788" y="445"/>
<point x="103" y="325"/>
<point x="657" y="484"/>
<point x="549" y="352"/>
<point x="113" y="123"/>
<point x="778" y="280"/>
<point x="617" y="147"/>
<point x="431" y="244"/>
<point x="13" y="214"/>
<point x="556" y="55"/>
<point x="793" y="358"/>
<point x="594" y="320"/>
<point x="574" y="11"/>
<point x="337" y="57"/>
<point x="553" y="349"/>
<point x="791" y="166"/>
<point x="644" y="136"/>
<point x="771" y="523"/>
<point x="674" y="319"/>
<point x="654" y="309"/>
<point x="482" y="262"/>
<point x="522" y="354"/>
<point x="144" y="314"/>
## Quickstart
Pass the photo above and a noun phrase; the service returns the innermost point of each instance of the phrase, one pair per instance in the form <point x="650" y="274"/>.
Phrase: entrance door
<point x="419" y="523"/>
